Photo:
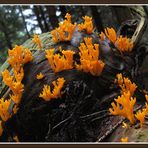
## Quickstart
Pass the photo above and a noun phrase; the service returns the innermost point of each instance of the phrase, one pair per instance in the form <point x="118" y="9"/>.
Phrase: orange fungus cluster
<point x="64" y="31"/>
<point x="124" y="104"/>
<point x="125" y="84"/>
<point x="18" y="56"/>
<point x="60" y="62"/>
<point x="89" y="58"/>
<point x="127" y="103"/>
<point x="123" y="44"/>
<point x="47" y="94"/>
<point x="87" y="25"/>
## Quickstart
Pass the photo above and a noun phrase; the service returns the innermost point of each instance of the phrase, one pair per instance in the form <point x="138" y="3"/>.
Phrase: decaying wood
<point x="140" y="12"/>
<point x="33" y="108"/>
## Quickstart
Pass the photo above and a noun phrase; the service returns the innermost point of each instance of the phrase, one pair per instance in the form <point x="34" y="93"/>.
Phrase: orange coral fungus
<point x="124" y="107"/>
<point x="102" y="36"/>
<point x="111" y="34"/>
<point x="16" y="97"/>
<point x="64" y="31"/>
<point x="10" y="80"/>
<point x="140" y="115"/>
<point x="19" y="56"/>
<point x="15" y="109"/>
<point x="36" y="39"/>
<point x="4" y="113"/>
<point x="1" y="128"/>
<point x="59" y="63"/>
<point x="125" y="84"/>
<point x="124" y="44"/>
<point x="19" y="75"/>
<point x="87" y="25"/>
<point x="124" y="139"/>
<point x="40" y="76"/>
<point x="47" y="95"/>
<point x="89" y="55"/>
<point x="15" y="86"/>
<point x="7" y="78"/>
<point x="125" y="103"/>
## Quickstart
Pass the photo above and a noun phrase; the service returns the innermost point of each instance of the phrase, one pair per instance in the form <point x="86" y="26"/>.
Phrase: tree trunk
<point x="51" y="10"/>
<point x="24" y="22"/>
<point x="63" y="11"/>
<point x="43" y="18"/>
<point x="37" y="13"/>
<point x="96" y="17"/>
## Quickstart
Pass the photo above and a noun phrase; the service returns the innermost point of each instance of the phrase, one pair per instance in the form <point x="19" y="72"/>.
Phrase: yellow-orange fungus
<point x="124" y="139"/>
<point x="125" y="103"/>
<point x="1" y="128"/>
<point x="7" y="78"/>
<point x="125" y="84"/>
<point x="68" y="17"/>
<point x="19" y="56"/>
<point x="87" y="25"/>
<point x="124" y="106"/>
<point x="15" y="109"/>
<point x="47" y="94"/>
<point x="111" y="34"/>
<point x="4" y="113"/>
<point x="140" y="115"/>
<point x="64" y="31"/>
<point x="89" y="55"/>
<point x="59" y="63"/>
<point x="16" y="86"/>
<point x="36" y="39"/>
<point x="40" y="76"/>
<point x="19" y="75"/>
<point x="16" y="97"/>
<point x="124" y="44"/>
<point x="102" y="36"/>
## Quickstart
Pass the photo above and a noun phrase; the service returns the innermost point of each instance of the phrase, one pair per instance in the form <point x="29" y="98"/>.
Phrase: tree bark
<point x="121" y="13"/>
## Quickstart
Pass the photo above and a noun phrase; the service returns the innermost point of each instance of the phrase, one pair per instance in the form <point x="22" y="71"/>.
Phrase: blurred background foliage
<point x="19" y="22"/>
